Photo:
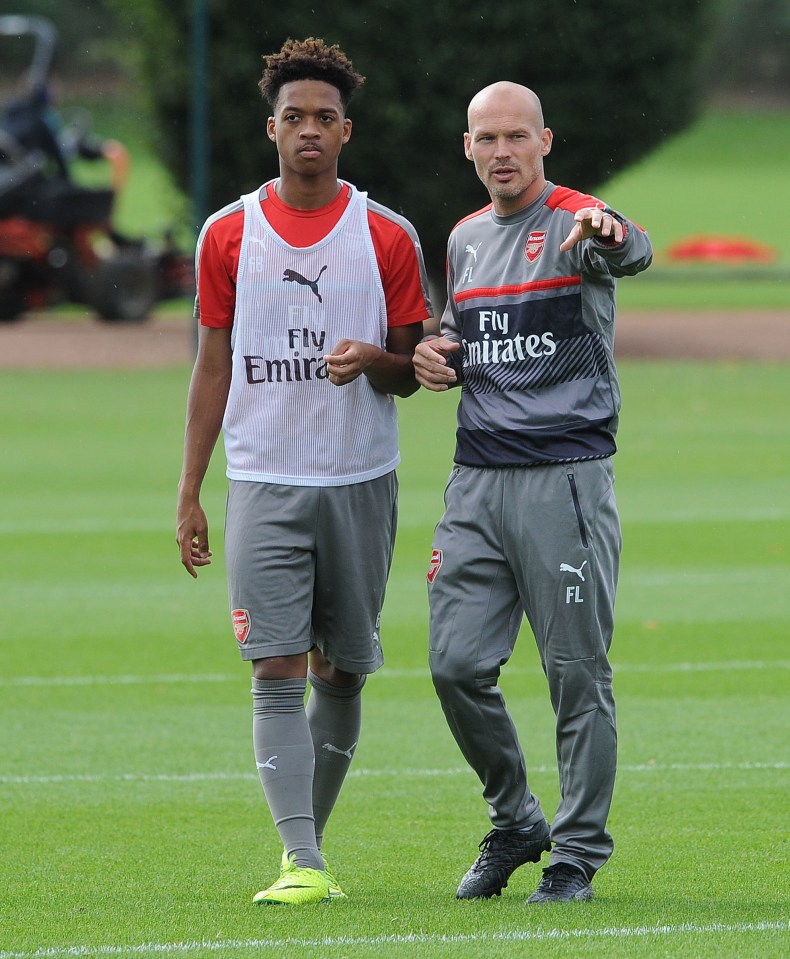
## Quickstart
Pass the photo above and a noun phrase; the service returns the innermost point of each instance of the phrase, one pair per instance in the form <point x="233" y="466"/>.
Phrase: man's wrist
<point x="610" y="241"/>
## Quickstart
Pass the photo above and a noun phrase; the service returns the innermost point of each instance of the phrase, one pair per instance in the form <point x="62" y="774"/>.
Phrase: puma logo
<point x="473" y="249"/>
<point x="269" y="764"/>
<point x="566" y="568"/>
<point x="291" y="276"/>
<point x="348" y="753"/>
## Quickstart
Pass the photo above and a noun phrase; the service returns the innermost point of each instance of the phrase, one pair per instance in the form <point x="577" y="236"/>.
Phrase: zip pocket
<point x="578" y="507"/>
<point x="453" y="473"/>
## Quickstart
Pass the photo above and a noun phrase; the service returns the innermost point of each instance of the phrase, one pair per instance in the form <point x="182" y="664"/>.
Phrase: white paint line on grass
<point x="704" y="577"/>
<point x="412" y="939"/>
<point x="79" y="527"/>
<point x="91" y="526"/>
<point x="716" y="513"/>
<point x="156" y="680"/>
<point x="731" y="666"/>
<point x="703" y="513"/>
<point x="103" y="779"/>
<point x="385" y="673"/>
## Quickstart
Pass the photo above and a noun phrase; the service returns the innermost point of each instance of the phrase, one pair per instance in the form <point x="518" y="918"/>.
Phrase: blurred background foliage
<point x="748" y="40"/>
<point x="616" y="83"/>
<point x="600" y="71"/>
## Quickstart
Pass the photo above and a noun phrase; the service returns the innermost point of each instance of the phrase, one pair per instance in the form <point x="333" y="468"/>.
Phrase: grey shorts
<point x="308" y="566"/>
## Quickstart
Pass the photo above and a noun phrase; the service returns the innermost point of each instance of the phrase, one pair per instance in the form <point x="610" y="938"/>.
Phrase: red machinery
<point x="57" y="241"/>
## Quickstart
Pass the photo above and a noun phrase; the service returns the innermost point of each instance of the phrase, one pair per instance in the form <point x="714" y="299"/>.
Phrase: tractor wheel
<point x="12" y="305"/>
<point x="126" y="288"/>
<point x="13" y="301"/>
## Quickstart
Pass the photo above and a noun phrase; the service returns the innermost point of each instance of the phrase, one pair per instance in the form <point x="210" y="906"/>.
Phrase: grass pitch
<point x="133" y="823"/>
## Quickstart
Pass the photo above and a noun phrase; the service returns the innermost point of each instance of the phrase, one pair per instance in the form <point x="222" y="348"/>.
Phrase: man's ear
<point x="546" y="139"/>
<point x="271" y="131"/>
<point x="468" y="146"/>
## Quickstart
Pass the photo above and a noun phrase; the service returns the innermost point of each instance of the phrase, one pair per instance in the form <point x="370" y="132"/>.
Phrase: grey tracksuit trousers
<point x="545" y="541"/>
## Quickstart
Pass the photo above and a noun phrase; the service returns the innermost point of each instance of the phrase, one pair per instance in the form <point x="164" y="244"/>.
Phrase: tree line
<point x="615" y="82"/>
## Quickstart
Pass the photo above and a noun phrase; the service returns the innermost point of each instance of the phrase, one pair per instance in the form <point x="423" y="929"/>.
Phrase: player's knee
<point x="325" y="671"/>
<point x="452" y="677"/>
<point x="575" y="687"/>
<point x="280" y="667"/>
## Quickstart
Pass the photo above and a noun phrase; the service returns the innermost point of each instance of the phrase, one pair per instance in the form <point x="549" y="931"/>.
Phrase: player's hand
<point x="348" y="359"/>
<point x="430" y="363"/>
<point x="592" y="221"/>
<point x="192" y="538"/>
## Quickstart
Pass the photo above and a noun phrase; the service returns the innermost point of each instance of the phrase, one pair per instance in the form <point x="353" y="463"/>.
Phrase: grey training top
<point x="536" y="328"/>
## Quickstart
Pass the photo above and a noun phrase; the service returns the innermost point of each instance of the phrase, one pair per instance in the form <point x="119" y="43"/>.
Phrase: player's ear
<point x="271" y="131"/>
<point x="468" y="146"/>
<point x="546" y="139"/>
<point x="346" y="130"/>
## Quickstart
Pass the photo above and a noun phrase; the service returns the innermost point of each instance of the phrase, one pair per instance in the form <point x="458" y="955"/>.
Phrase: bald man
<point x="530" y="525"/>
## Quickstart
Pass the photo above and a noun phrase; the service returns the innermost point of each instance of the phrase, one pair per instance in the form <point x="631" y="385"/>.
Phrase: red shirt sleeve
<point x="402" y="271"/>
<point x="218" y="265"/>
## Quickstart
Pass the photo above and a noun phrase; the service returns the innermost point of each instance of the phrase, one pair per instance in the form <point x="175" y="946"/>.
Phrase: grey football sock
<point x="335" y="716"/>
<point x="285" y="759"/>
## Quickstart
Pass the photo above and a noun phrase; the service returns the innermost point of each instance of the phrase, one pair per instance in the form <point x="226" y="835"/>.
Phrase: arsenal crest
<point x="435" y="565"/>
<point x="534" y="246"/>
<point x="241" y="624"/>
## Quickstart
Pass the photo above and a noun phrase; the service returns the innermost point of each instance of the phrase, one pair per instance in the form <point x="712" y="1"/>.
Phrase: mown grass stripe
<point x="101" y="778"/>
<point x="385" y="673"/>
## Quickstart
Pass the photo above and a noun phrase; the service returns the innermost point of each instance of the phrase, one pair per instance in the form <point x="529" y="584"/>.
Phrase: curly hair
<point x="310" y="59"/>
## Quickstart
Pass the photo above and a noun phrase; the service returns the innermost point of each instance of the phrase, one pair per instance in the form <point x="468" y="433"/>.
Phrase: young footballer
<point x="311" y="300"/>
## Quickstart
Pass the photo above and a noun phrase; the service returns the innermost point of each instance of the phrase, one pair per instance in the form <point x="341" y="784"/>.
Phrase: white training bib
<point x="285" y="422"/>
